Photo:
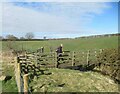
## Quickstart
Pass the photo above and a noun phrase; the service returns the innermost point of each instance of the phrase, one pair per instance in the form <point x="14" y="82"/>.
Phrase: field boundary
<point x="30" y="64"/>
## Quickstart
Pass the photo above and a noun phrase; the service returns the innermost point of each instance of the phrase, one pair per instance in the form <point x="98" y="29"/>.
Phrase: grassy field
<point x="71" y="80"/>
<point x="65" y="80"/>
<point x="68" y="44"/>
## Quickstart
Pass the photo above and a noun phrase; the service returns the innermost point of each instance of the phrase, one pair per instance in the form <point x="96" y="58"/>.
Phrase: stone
<point x="2" y="78"/>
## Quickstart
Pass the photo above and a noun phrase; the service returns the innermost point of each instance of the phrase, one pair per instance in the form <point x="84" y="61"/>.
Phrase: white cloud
<point x="0" y="18"/>
<point x="20" y="19"/>
<point x="68" y="20"/>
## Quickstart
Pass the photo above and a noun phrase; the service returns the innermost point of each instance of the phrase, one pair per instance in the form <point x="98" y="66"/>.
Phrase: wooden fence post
<point x="16" y="67"/>
<point x="19" y="77"/>
<point x="17" y="60"/>
<point x="25" y="79"/>
<point x="95" y="53"/>
<point x="101" y="50"/>
<point x="18" y="73"/>
<point x="88" y="53"/>
<point x="26" y="55"/>
<point x="56" y="63"/>
<point x="73" y="58"/>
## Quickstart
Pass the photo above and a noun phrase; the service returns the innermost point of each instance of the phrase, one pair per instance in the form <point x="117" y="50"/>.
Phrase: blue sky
<point x="59" y="20"/>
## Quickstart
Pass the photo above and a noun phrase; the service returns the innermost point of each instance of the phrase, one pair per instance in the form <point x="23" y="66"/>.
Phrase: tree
<point x="44" y="37"/>
<point x="22" y="38"/>
<point x="1" y="37"/>
<point x="29" y="35"/>
<point x="11" y="37"/>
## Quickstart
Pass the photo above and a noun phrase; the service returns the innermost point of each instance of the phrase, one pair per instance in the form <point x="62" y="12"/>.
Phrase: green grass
<point x="69" y="44"/>
<point x="73" y="81"/>
<point x="9" y="85"/>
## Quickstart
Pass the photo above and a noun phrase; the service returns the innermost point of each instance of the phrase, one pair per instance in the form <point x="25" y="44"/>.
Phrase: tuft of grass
<point x="7" y="69"/>
<point x="9" y="85"/>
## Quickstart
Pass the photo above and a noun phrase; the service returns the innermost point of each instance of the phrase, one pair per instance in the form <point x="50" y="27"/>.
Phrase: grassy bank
<point x="65" y="80"/>
<point x="9" y="84"/>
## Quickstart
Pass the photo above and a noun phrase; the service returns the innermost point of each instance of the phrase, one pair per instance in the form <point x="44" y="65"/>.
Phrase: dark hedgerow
<point x="109" y="56"/>
<point x="109" y="62"/>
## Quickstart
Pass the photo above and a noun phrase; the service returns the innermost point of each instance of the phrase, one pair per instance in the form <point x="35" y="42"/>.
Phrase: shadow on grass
<point x="83" y="68"/>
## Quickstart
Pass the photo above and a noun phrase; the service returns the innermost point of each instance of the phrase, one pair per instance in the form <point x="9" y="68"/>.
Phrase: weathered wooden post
<point x="25" y="79"/>
<point x="56" y="61"/>
<point x="101" y="50"/>
<point x="95" y="57"/>
<point x="73" y="58"/>
<point x="82" y="57"/>
<point x="88" y="54"/>
<point x="18" y="73"/>
<point x="19" y="77"/>
<point x="25" y="54"/>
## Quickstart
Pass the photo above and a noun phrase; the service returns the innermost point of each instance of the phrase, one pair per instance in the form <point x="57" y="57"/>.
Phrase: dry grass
<point x="7" y="57"/>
